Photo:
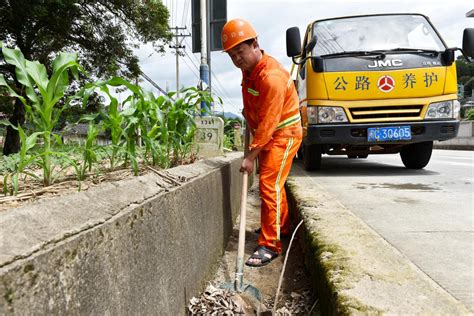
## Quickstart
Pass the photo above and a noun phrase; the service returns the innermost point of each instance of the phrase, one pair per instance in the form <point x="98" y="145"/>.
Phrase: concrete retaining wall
<point x="466" y="129"/>
<point x="142" y="246"/>
<point x="464" y="140"/>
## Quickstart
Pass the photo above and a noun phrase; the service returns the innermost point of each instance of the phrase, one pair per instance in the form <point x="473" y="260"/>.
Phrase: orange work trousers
<point x="274" y="165"/>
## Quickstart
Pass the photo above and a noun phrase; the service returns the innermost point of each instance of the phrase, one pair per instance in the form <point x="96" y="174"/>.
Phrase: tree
<point x="102" y="32"/>
<point x="465" y="73"/>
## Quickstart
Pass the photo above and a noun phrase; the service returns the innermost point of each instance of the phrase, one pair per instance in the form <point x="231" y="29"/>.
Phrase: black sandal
<point x="263" y="254"/>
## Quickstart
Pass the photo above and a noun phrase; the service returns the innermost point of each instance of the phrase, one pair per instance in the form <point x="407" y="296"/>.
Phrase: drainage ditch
<point x="296" y="295"/>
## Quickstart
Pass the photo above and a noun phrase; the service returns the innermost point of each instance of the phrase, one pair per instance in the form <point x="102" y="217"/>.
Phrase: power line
<point x="220" y="90"/>
<point x="219" y="87"/>
<point x="193" y="70"/>
<point x="172" y="12"/>
<point x="154" y="84"/>
<point x="196" y="74"/>
<point x="219" y="83"/>
<point x="185" y="13"/>
<point x="194" y="56"/>
<point x="186" y="18"/>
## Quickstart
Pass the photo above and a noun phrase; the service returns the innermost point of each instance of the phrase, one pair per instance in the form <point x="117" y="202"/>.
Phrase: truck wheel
<point x="299" y="154"/>
<point x="312" y="157"/>
<point x="416" y="156"/>
<point x="357" y="156"/>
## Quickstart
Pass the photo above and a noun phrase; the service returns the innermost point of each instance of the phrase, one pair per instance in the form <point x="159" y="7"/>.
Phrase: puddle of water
<point x="398" y="186"/>
<point x="406" y="201"/>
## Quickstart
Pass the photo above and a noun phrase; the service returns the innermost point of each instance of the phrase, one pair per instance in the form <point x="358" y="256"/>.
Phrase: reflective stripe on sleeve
<point x="253" y="92"/>
<point x="289" y="121"/>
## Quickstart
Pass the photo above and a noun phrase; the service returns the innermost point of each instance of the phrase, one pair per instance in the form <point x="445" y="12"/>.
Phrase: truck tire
<point x="416" y="156"/>
<point x="312" y="157"/>
<point x="351" y="156"/>
<point x="299" y="154"/>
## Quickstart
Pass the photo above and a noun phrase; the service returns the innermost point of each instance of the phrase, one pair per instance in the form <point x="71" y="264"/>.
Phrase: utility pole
<point x="178" y="45"/>
<point x="208" y="38"/>
<point x="208" y="19"/>
<point x="204" y="67"/>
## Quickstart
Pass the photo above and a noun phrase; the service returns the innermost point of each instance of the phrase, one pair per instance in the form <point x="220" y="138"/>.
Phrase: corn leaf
<point x="11" y="92"/>
<point x="117" y="81"/>
<point x="15" y="57"/>
<point x="38" y="74"/>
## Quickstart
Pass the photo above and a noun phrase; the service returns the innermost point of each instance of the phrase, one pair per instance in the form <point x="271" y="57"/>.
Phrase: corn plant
<point x="42" y="96"/>
<point x="178" y="125"/>
<point x="89" y="150"/>
<point x="113" y="119"/>
<point x="166" y="126"/>
<point x="16" y="164"/>
<point x="163" y="125"/>
<point x="229" y="134"/>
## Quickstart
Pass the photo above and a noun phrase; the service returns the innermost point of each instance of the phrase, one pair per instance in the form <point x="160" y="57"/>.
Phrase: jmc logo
<point x="386" y="63"/>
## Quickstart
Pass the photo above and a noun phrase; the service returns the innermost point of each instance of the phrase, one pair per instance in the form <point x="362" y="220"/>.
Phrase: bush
<point x="470" y="115"/>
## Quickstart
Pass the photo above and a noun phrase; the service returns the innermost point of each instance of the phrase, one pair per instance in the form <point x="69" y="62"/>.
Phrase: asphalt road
<point x="428" y="215"/>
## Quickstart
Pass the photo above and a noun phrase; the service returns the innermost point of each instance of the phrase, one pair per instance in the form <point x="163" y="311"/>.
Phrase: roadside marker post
<point x="209" y="136"/>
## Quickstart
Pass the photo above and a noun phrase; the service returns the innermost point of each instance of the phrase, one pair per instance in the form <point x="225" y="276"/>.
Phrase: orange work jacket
<point x="270" y="103"/>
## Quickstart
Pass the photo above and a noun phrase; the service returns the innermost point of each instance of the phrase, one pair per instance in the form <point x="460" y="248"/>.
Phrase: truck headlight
<point x="439" y="110"/>
<point x="331" y="114"/>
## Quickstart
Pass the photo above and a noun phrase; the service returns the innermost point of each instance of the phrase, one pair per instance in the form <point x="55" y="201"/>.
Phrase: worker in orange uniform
<point x="271" y="111"/>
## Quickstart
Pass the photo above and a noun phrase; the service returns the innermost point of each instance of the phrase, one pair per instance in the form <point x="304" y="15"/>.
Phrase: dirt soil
<point x="296" y="295"/>
<point x="33" y="191"/>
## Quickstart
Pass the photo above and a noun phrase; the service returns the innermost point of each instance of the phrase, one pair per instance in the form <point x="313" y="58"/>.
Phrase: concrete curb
<point x="141" y="246"/>
<point x="458" y="143"/>
<point x="355" y="270"/>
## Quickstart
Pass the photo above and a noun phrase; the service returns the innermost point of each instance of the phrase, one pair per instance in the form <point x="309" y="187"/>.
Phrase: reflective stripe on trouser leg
<point x="275" y="165"/>
<point x="277" y="185"/>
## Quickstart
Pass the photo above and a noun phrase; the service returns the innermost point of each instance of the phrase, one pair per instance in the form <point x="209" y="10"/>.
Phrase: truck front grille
<point x="386" y="112"/>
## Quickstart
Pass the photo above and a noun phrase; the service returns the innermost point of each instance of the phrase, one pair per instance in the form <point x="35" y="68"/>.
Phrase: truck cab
<point x="375" y="84"/>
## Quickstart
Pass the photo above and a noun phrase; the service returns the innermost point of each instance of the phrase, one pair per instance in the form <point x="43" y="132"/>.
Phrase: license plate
<point x="391" y="133"/>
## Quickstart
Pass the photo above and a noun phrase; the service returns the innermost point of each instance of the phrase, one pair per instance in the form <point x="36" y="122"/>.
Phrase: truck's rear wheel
<point x="312" y="157"/>
<point x="416" y="156"/>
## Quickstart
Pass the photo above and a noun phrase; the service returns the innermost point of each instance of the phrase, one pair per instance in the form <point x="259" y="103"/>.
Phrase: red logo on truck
<point x="386" y="83"/>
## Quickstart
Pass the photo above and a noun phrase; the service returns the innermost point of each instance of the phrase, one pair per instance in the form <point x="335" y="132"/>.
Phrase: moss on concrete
<point x="327" y="263"/>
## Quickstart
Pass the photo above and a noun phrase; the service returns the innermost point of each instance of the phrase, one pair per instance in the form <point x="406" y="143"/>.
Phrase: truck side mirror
<point x="448" y="57"/>
<point x="293" y="42"/>
<point x="468" y="42"/>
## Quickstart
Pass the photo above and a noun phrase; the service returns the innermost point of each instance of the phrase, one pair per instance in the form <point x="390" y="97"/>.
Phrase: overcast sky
<point x="271" y="19"/>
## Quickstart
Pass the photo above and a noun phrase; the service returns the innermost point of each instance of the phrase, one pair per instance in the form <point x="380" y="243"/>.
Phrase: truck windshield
<point x="375" y="33"/>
